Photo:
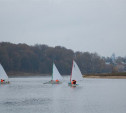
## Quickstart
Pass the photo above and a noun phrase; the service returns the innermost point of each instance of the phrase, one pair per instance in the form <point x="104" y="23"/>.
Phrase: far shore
<point x="117" y="75"/>
<point x="103" y="75"/>
<point x="106" y="77"/>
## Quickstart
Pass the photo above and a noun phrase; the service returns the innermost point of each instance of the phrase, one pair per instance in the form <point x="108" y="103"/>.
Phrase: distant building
<point x="113" y="58"/>
<point x="124" y="63"/>
<point x="107" y="63"/>
<point x="120" y="67"/>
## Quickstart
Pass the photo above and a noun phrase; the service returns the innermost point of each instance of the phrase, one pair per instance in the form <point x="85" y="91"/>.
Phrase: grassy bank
<point x="121" y="75"/>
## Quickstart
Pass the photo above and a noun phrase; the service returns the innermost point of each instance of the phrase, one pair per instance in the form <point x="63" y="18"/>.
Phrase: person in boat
<point x="73" y="82"/>
<point x="2" y="80"/>
<point x="57" y="80"/>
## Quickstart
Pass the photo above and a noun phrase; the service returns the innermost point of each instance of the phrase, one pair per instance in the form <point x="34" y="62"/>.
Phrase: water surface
<point x="30" y="95"/>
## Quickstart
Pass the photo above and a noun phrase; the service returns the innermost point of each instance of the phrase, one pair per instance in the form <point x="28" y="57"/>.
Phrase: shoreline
<point x="97" y="76"/>
<point x="106" y="77"/>
<point x="117" y="75"/>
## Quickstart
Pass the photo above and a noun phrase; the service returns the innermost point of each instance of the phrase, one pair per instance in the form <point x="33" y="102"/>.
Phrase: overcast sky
<point x="81" y="25"/>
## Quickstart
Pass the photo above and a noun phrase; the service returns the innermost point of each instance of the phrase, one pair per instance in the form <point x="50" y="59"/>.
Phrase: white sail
<point x="3" y="74"/>
<point x="56" y="75"/>
<point x="76" y="73"/>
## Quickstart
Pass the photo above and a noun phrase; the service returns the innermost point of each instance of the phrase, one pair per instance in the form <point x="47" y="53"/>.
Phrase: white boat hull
<point x="53" y="82"/>
<point x="7" y="82"/>
<point x="72" y="85"/>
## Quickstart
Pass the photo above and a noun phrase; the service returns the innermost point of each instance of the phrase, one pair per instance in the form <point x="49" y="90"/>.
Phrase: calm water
<point x="30" y="95"/>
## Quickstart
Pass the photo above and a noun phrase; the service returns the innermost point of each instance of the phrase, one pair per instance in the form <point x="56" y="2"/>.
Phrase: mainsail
<point x="56" y="75"/>
<point x="3" y="74"/>
<point x="76" y="73"/>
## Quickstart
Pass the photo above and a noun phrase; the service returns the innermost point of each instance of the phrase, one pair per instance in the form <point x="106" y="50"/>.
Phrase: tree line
<point x="39" y="59"/>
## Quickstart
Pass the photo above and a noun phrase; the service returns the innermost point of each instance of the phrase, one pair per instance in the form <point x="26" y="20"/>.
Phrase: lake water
<point x="30" y="95"/>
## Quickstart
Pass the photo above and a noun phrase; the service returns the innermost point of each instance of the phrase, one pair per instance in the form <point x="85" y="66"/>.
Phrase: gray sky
<point x="81" y="25"/>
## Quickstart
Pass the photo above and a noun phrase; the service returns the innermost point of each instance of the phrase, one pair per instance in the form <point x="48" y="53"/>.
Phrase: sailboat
<point x="75" y="74"/>
<point x="56" y="76"/>
<point x="3" y="75"/>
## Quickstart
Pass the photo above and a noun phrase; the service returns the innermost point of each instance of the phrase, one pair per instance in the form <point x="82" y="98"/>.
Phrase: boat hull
<point x="7" y="82"/>
<point x="72" y="85"/>
<point x="53" y="82"/>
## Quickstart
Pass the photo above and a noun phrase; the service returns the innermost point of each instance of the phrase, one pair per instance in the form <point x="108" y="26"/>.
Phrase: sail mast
<point x="71" y="71"/>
